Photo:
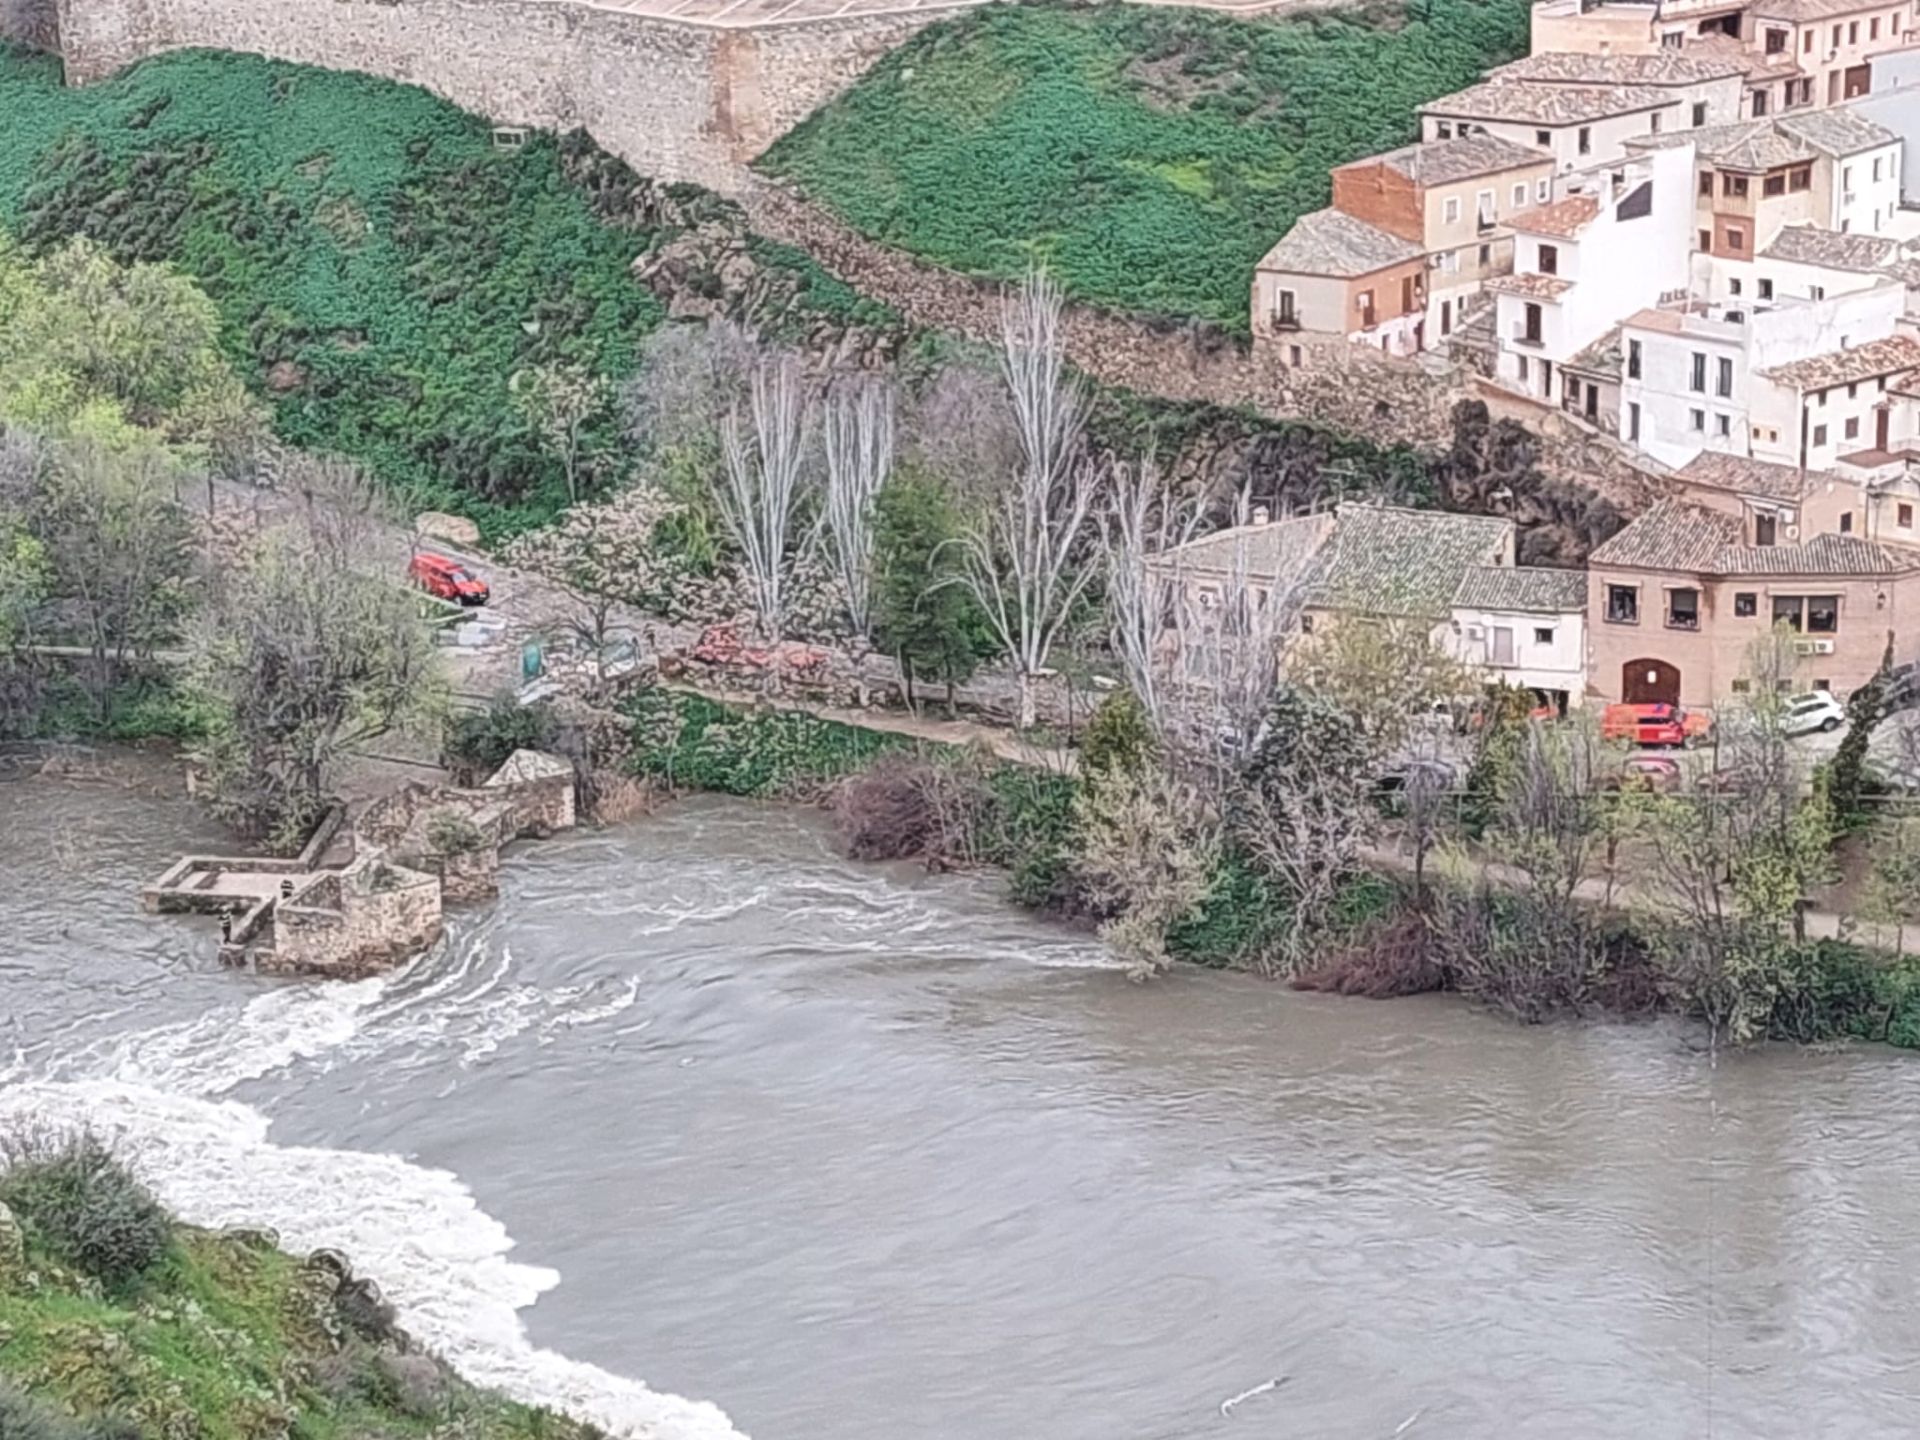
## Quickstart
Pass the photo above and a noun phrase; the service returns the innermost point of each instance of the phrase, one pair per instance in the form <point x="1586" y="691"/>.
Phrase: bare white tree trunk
<point x="859" y="434"/>
<point x="1018" y="554"/>
<point x="1141" y="532"/>
<point x="760" y="485"/>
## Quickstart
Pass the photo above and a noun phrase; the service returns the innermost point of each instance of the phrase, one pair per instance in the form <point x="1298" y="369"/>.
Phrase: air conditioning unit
<point x="1813" y="647"/>
<point x="1792" y="532"/>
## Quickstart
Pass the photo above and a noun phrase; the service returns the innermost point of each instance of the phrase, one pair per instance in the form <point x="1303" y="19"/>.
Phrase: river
<point x="853" y="1153"/>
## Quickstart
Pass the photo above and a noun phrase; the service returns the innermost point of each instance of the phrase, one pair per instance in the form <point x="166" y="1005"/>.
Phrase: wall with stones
<point x="678" y="101"/>
<point x="355" y="922"/>
<point x="30" y="22"/>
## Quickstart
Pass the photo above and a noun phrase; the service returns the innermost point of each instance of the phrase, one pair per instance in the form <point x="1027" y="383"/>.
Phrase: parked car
<point x="1658" y="773"/>
<point x="447" y="579"/>
<point x="1730" y="780"/>
<point x="1651" y="724"/>
<point x="1816" y="710"/>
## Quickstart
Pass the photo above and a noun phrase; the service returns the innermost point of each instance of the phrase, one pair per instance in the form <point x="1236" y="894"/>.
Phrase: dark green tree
<point x="1847" y="775"/>
<point x="921" y="615"/>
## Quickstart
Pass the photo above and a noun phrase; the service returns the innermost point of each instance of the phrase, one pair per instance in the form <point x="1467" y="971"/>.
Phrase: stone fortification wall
<point x="31" y="22"/>
<point x="682" y="101"/>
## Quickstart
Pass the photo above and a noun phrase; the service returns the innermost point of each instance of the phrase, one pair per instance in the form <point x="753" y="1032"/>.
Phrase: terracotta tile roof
<point x="1671" y="536"/>
<point x="1275" y="552"/>
<point x="1845" y="367"/>
<point x="1803" y="10"/>
<point x="1812" y="245"/>
<point x="1382" y="560"/>
<point x="1727" y="49"/>
<point x="1662" y="67"/>
<point x="1602" y="357"/>
<point x="1837" y="132"/>
<point x="1522" y="587"/>
<point x="1741" y="475"/>
<point x="1439" y="162"/>
<point x="1667" y="322"/>
<point x="1530" y="286"/>
<point x="1533" y="103"/>
<point x="1677" y="536"/>
<point x="1750" y="145"/>
<point x="1328" y="242"/>
<point x="1565" y="218"/>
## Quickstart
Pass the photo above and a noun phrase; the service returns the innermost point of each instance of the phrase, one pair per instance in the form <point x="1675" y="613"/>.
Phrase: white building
<point x="1526" y="626"/>
<point x="1696" y="376"/>
<point x="1583" y="262"/>
<point x="1580" y="125"/>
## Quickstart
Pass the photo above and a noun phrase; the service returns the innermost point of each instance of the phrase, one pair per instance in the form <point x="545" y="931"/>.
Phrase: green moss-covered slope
<point x="1150" y="154"/>
<point x="380" y="268"/>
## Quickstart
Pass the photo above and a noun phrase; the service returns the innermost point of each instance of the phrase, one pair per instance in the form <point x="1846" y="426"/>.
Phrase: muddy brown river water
<point x="845" y="1152"/>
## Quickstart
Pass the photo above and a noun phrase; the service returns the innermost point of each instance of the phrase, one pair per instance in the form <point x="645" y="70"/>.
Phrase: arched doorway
<point x="1650" y="682"/>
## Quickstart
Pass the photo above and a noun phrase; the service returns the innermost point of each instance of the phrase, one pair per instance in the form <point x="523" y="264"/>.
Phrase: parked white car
<point x="1816" y="710"/>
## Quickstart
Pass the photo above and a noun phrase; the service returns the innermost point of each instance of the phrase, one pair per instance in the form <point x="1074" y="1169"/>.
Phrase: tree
<point x="118" y="548"/>
<point x="1020" y="552"/>
<point x="561" y="401"/>
<point x="858" y="430"/>
<point x="929" y="623"/>
<point x="1141" y="530"/>
<point x="762" y="481"/>
<point x="1386" y="673"/>
<point x="1866" y="708"/>
<point x="1303" y="815"/>
<point x="1893" y="883"/>
<point x="1147" y="852"/>
<point x="304" y="657"/>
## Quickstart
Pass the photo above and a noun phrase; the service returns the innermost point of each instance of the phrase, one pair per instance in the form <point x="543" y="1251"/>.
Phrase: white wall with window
<point x="1529" y="649"/>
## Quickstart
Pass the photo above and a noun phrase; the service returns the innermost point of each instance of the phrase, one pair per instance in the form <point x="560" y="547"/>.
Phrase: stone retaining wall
<point x="680" y="101"/>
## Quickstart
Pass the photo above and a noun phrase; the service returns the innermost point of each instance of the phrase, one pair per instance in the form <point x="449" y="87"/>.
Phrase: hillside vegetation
<point x="381" y="271"/>
<point x="117" y="1323"/>
<point x="1149" y="155"/>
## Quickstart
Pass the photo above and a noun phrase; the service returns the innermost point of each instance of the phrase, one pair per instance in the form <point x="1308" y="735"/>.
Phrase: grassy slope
<point x="230" y="1341"/>
<point x="361" y="235"/>
<point x="1150" y="155"/>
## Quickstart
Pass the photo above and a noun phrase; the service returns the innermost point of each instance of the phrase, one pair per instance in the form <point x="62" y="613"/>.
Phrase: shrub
<point x="452" y="833"/>
<point x="1119" y="737"/>
<point x="24" y="1418"/>
<point x="81" y="1202"/>
<point x="480" y="742"/>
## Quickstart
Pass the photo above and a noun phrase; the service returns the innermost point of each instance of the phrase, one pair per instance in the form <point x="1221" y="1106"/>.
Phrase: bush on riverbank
<point x="215" y="1336"/>
<point x="1150" y="156"/>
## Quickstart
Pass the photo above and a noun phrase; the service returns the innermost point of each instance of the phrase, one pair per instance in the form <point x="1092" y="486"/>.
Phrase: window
<point x="1723" y="378"/>
<point x="1786" y="611"/>
<point x="1819" y="435"/>
<point x="1286" y="311"/>
<point x="1853" y="32"/>
<point x="1745" y="605"/>
<point x="1502" y="645"/>
<point x="1699" y="113"/>
<point x="1724" y="423"/>
<point x="1293" y="356"/>
<point x="1742" y="687"/>
<point x="1766" y="289"/>
<point x="1823" y="614"/>
<point x="1706" y="182"/>
<point x="1549" y="260"/>
<point x="1904" y="514"/>
<point x="1759" y="102"/>
<point x="1873" y="28"/>
<point x="1736" y="239"/>
<point x="1876" y="168"/>
<point x="1775" y="184"/>
<point x="1484" y="207"/>
<point x="1820" y="399"/>
<point x="1852" y="428"/>
<point x="1633" y="420"/>
<point x="1846" y="177"/>
<point x="1776" y="41"/>
<point x="1486" y="254"/>
<point x="1519" y="194"/>
<point x="1806" y="43"/>
<point x="1365" y="306"/>
<point x="1764" y="525"/>
<point x="1733" y="287"/>
<point x="1697" y="377"/>
<point x="1443" y="130"/>
<point x="1836" y="37"/>
<point x="1882" y="383"/>
<point x="1654" y="123"/>
<point x="1819" y="292"/>
<point x="1451" y="211"/>
<point x="1543" y="138"/>
<point x="1586" y="140"/>
<point x="1623" y="605"/>
<point x="1683" y="609"/>
<point x="1543" y="634"/>
<point x="1698" y="420"/>
<point x="1633" y="359"/>
<point x="1846" y="522"/>
<point x="1734" y="185"/>
<point x="1801" y="179"/>
<point x="1542" y="189"/>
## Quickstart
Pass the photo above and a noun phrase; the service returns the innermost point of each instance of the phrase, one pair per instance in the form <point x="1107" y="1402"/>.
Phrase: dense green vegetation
<point x="381" y="272"/>
<point x="1149" y="155"/>
<point x="120" y="1324"/>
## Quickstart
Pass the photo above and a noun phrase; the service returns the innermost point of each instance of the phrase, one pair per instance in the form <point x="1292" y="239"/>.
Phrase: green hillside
<point x="1149" y="155"/>
<point x="381" y="270"/>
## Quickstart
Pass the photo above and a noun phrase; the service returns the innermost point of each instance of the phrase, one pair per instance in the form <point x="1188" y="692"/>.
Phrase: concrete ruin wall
<point x="364" y="919"/>
<point x="678" y="101"/>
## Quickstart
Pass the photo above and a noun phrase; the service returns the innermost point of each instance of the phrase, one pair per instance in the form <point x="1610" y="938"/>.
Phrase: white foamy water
<point x="441" y="1260"/>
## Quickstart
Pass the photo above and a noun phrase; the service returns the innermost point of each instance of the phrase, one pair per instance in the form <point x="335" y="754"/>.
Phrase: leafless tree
<point x="689" y="377"/>
<point x="1021" y="552"/>
<point x="1141" y="530"/>
<point x="762" y="481"/>
<point x="858" y="427"/>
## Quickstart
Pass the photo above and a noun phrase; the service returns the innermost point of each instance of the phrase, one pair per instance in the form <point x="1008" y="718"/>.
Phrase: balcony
<point x="1483" y="224"/>
<point x="1523" y="335"/>
<point x="1286" y="320"/>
